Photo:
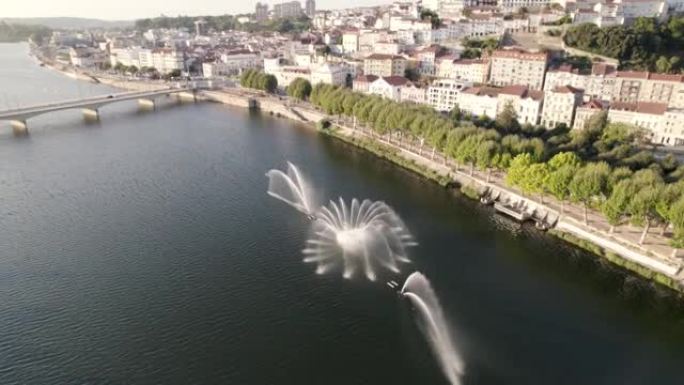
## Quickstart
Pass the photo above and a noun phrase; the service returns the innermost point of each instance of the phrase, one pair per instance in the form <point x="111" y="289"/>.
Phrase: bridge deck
<point x="24" y="113"/>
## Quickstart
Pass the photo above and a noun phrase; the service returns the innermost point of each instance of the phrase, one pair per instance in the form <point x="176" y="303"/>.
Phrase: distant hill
<point x="68" y="22"/>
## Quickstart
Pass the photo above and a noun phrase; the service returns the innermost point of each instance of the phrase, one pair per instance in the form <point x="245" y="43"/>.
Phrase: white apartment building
<point x="599" y="84"/>
<point x="671" y="130"/>
<point x="479" y="101"/>
<point x="559" y="106"/>
<point x="633" y="86"/>
<point x="511" y="6"/>
<point x="384" y="65"/>
<point x="527" y="103"/>
<point x="472" y="70"/>
<point x="511" y="67"/>
<point x="442" y="94"/>
<point x="413" y="94"/>
<point x="350" y="42"/>
<point x="388" y="87"/>
<point x="164" y="60"/>
<point x="584" y="112"/>
<point x="642" y="114"/>
<point x="287" y="9"/>
<point x="362" y="83"/>
<point x="387" y="48"/>
<point x="327" y="73"/>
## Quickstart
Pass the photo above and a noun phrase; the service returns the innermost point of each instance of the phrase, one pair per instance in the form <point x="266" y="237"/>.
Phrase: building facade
<point x="516" y="67"/>
<point x="384" y="65"/>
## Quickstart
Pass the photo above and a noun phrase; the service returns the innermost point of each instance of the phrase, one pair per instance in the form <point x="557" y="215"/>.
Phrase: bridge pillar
<point x="91" y="114"/>
<point x="146" y="104"/>
<point x="19" y="126"/>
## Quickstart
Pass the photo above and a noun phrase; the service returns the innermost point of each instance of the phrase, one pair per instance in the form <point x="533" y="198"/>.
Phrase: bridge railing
<point x="80" y="100"/>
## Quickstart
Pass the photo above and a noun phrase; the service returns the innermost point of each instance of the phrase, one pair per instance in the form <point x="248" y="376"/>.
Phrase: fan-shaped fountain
<point x="419" y="291"/>
<point x="360" y="236"/>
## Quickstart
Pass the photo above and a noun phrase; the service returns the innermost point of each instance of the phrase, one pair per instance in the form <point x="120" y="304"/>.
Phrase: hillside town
<point x="478" y="57"/>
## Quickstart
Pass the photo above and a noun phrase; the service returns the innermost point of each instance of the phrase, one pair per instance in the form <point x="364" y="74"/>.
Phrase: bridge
<point x="90" y="106"/>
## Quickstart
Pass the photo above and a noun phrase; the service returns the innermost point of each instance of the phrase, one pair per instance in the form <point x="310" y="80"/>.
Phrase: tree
<point x="558" y="181"/>
<point x="299" y="88"/>
<point x="588" y="183"/>
<point x="518" y="168"/>
<point x="535" y="178"/>
<point x="642" y="208"/>
<point x="507" y="119"/>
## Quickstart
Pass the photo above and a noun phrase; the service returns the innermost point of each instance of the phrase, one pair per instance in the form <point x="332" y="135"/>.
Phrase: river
<point x="144" y="249"/>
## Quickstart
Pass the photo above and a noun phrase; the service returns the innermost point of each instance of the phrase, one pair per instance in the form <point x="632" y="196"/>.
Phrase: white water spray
<point x="291" y="188"/>
<point x="419" y="291"/>
<point x="360" y="236"/>
<point x="363" y="235"/>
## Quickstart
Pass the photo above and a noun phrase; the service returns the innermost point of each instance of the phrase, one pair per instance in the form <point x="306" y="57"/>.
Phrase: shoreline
<point x="659" y="269"/>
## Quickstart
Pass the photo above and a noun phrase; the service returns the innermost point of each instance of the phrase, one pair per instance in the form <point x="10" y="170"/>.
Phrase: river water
<point x="144" y="250"/>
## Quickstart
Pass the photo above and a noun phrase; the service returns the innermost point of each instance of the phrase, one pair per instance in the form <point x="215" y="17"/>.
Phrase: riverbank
<point x="654" y="261"/>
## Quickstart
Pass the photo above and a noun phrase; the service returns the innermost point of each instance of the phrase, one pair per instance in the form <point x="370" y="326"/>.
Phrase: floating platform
<point x="517" y="213"/>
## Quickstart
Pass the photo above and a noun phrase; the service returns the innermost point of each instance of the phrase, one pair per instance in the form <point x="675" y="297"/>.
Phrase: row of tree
<point x="259" y="81"/>
<point x="621" y="195"/>
<point x="12" y="33"/>
<point x="584" y="166"/>
<point x="644" y="45"/>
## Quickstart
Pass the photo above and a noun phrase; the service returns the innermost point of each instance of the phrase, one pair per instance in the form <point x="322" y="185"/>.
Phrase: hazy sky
<point x="134" y="9"/>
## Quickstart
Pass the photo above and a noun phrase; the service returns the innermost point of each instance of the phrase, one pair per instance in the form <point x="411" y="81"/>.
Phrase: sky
<point x="136" y="9"/>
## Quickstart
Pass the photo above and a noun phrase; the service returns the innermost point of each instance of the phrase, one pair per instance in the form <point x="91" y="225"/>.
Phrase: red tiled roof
<point x="482" y="91"/>
<point x="602" y="69"/>
<point x="641" y="107"/>
<point x="567" y="89"/>
<point x="395" y="80"/>
<point x="593" y="104"/>
<point x="520" y="54"/>
<point x="366" y="78"/>
<point x="517" y="90"/>
<point x="381" y="56"/>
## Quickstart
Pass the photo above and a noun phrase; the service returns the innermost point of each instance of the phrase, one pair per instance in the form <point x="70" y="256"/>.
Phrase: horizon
<point x="129" y="10"/>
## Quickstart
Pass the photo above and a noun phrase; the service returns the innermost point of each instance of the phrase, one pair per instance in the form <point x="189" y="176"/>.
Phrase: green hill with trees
<point x="646" y="45"/>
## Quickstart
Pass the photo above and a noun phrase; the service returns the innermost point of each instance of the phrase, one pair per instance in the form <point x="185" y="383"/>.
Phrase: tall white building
<point x="511" y="67"/>
<point x="287" y="9"/>
<point x="310" y="8"/>
<point x="442" y="94"/>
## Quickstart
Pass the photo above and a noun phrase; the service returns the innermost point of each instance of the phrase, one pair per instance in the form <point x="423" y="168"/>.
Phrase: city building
<point x="442" y="94"/>
<point x="510" y="67"/>
<point x="648" y="116"/>
<point x="559" y="106"/>
<point x="526" y="103"/>
<point x="479" y="101"/>
<point x="584" y="112"/>
<point x="598" y="84"/>
<point x="472" y="70"/>
<point x="261" y="13"/>
<point x="362" y="83"/>
<point x="388" y="87"/>
<point x="200" y="26"/>
<point x="310" y="8"/>
<point x="384" y="65"/>
<point x="412" y="93"/>
<point x="287" y="9"/>
<point x="350" y="42"/>
<point x="327" y="73"/>
<point x="633" y="86"/>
